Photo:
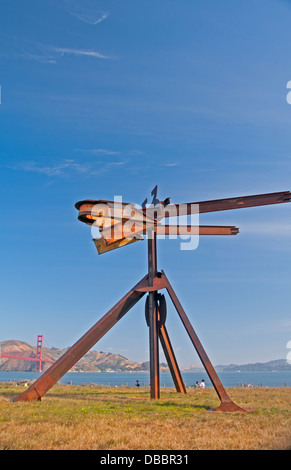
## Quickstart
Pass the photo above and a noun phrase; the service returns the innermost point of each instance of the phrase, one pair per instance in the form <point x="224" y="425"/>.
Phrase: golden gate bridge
<point x="38" y="359"/>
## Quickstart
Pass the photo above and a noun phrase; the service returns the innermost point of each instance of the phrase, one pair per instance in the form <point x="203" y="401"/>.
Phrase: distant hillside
<point x="96" y="361"/>
<point x="92" y="362"/>
<point x="20" y="348"/>
<point x="277" y="365"/>
<point x="192" y="368"/>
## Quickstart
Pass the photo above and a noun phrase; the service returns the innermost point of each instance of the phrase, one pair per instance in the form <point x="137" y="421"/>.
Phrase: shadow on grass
<point x="169" y="398"/>
<point x="114" y="399"/>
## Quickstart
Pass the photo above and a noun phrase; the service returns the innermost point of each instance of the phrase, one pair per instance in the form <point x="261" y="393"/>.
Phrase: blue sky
<point x="111" y="98"/>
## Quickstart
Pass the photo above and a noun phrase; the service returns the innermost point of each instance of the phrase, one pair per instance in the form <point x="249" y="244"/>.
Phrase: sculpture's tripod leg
<point x="153" y="317"/>
<point x="154" y="346"/>
<point x="226" y="403"/>
<point x="171" y="360"/>
<point x="166" y="345"/>
<point x="83" y="345"/>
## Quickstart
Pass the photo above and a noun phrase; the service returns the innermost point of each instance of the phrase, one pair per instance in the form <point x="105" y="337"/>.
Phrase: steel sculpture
<point x="121" y="224"/>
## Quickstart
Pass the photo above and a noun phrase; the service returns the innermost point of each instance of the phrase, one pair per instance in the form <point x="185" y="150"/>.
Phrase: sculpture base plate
<point x="230" y="407"/>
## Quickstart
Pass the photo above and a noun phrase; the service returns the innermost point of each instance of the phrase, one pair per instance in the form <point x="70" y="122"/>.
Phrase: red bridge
<point x="38" y="359"/>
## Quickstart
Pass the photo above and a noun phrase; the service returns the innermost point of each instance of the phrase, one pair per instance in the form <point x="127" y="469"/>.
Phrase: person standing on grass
<point x="202" y="385"/>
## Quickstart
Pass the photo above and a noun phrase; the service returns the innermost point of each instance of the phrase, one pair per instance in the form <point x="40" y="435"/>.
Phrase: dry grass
<point x="78" y="417"/>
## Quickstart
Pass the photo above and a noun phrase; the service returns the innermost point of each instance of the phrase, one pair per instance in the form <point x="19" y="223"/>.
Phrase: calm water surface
<point x="228" y="379"/>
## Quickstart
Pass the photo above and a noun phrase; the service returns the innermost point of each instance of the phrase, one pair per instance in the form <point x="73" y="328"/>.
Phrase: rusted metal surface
<point x="121" y="223"/>
<point x="156" y="284"/>
<point x="196" y="230"/>
<point x="109" y="212"/>
<point x="126" y="229"/>
<point x="122" y="234"/>
<point x="86" y="207"/>
<point x="154" y="346"/>
<point x="171" y="359"/>
<point x="226" y="204"/>
<point x="102" y="247"/>
<point x="153" y="318"/>
<point x="91" y="210"/>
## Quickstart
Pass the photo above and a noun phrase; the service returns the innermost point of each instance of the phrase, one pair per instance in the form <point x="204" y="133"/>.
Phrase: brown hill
<point x="93" y="361"/>
<point x="22" y="349"/>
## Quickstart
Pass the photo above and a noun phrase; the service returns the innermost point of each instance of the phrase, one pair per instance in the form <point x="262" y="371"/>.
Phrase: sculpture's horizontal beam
<point x="128" y="229"/>
<point x="109" y="213"/>
<point x="102" y="247"/>
<point x="196" y="230"/>
<point x="225" y="204"/>
<point x="121" y="223"/>
<point x="106" y="213"/>
<point x="119" y="232"/>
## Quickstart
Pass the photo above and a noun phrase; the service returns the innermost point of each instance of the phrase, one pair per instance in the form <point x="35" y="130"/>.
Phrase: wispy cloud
<point x="84" y="10"/>
<point x="56" y="169"/>
<point x="78" y="52"/>
<point x="121" y="163"/>
<point x="50" y="54"/>
<point x="98" y="151"/>
<point x="171" y="164"/>
<point x="89" y="17"/>
<point x="66" y="167"/>
<point x="16" y="48"/>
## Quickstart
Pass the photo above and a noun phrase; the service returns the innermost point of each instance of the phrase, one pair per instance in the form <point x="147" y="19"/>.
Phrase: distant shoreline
<point x="118" y="379"/>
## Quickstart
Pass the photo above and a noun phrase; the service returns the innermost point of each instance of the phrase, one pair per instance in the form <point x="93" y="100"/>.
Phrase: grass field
<point x="104" y="418"/>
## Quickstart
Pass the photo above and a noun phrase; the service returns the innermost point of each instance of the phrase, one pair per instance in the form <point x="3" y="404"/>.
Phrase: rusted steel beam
<point x="171" y="360"/>
<point x="226" y="403"/>
<point x="154" y="347"/>
<point x="226" y="204"/>
<point x="121" y="223"/>
<point x="153" y="317"/>
<point x="128" y="229"/>
<point x="102" y="247"/>
<point x="109" y="212"/>
<point x="120" y="234"/>
<point x="152" y="256"/>
<point x="111" y="239"/>
<point x="91" y="210"/>
<point x="82" y="346"/>
<point x="156" y="284"/>
<point x="196" y="230"/>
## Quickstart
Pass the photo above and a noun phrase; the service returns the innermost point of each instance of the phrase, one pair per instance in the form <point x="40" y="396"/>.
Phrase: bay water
<point x="118" y="379"/>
